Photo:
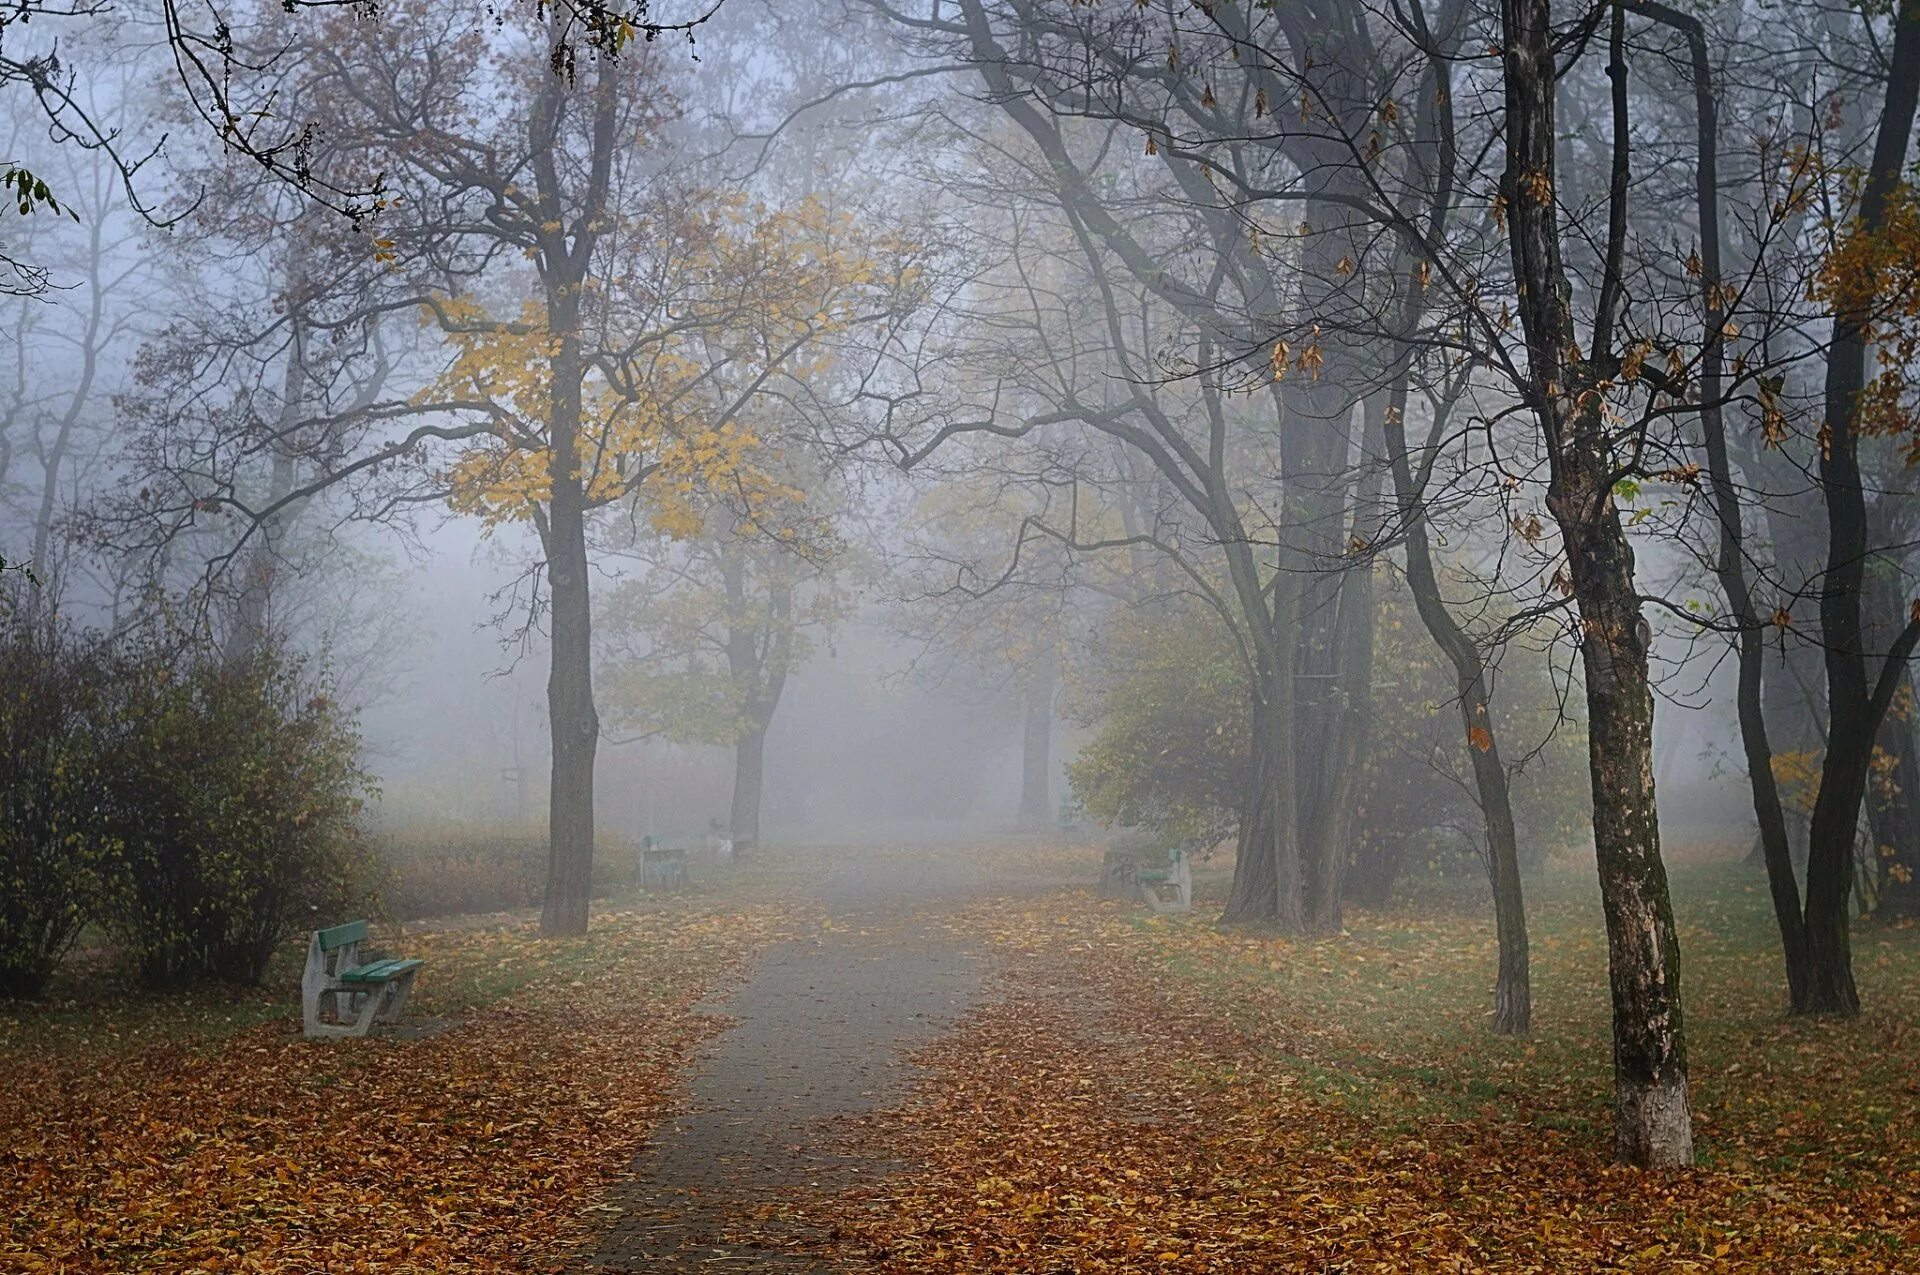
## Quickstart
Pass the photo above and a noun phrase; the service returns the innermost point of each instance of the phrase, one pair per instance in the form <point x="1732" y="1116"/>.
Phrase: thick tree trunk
<point x="749" y="780"/>
<point x="1330" y="835"/>
<point x="1652" y="1119"/>
<point x="1036" y="747"/>
<point x="574" y="723"/>
<point x="575" y="728"/>
<point x="1652" y="1122"/>
<point x="1855" y="703"/>
<point x="1267" y="883"/>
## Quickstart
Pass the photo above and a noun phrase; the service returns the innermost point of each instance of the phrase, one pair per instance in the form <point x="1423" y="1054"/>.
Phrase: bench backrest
<point x="341" y="935"/>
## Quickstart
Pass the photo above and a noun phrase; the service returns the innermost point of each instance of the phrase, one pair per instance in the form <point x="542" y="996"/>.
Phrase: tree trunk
<point x="1652" y="1121"/>
<point x="1730" y="559"/>
<point x="574" y="723"/>
<point x="1036" y="747"/>
<point x="1513" y="983"/>
<point x="1266" y="875"/>
<point x="1893" y="794"/>
<point x="1330" y="835"/>
<point x="749" y="779"/>
<point x="1854" y="705"/>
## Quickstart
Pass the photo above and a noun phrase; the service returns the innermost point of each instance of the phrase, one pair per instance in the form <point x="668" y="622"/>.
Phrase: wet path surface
<point x="820" y="1033"/>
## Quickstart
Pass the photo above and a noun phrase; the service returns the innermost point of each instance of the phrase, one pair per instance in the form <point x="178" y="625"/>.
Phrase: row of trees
<point x="561" y="322"/>
<point x="1237" y="309"/>
<point x="543" y="308"/>
<point x="1281" y="294"/>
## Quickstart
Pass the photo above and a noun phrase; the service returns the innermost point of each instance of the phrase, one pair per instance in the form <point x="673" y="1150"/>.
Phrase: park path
<point x="819" y="1036"/>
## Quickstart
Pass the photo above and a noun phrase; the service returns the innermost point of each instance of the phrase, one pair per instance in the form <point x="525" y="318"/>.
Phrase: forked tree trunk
<point x="566" y="257"/>
<point x="1652" y="1121"/>
<point x="749" y="780"/>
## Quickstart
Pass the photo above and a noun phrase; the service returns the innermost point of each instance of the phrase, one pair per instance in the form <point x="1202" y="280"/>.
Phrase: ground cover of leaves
<point x="231" y="1144"/>
<point x="1153" y="1094"/>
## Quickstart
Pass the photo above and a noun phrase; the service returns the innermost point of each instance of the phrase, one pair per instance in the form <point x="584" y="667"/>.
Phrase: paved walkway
<point x="821" y="1033"/>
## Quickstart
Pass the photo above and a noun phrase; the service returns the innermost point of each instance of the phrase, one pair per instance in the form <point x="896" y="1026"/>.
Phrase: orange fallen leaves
<point x="479" y="1148"/>
<point x="1118" y="1108"/>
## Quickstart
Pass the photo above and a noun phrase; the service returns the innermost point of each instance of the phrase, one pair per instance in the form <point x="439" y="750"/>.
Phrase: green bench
<point x="359" y="995"/>
<point x="1168" y="889"/>
<point x="663" y="867"/>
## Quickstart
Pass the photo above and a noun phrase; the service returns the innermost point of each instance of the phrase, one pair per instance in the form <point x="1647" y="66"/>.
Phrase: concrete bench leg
<point x="369" y="1008"/>
<point x="393" y="997"/>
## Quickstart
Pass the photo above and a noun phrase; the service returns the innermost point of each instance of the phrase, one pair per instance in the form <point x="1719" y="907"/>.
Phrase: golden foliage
<point x="752" y="294"/>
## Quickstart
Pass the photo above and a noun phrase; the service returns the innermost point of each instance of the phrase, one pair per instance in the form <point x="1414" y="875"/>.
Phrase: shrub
<point x="1171" y="751"/>
<point x="55" y="845"/>
<point x="237" y="800"/>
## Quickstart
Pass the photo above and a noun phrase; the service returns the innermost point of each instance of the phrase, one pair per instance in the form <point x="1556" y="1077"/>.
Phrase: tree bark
<point x="1731" y="555"/>
<point x="1854" y="704"/>
<point x="749" y="780"/>
<point x="572" y="719"/>
<point x="1036" y="747"/>
<point x="1652" y="1121"/>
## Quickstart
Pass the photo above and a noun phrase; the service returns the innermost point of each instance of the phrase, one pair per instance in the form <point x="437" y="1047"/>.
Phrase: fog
<point x="1369" y="458"/>
<point x="165" y="300"/>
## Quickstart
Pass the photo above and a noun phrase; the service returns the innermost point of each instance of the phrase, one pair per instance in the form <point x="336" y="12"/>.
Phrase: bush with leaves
<point x="56" y="847"/>
<point x="237" y="803"/>
<point x="1170" y="752"/>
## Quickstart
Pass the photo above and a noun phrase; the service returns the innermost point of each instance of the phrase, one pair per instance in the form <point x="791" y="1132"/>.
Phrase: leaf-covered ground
<point x="1153" y="1094"/>
<point x="1133" y="1094"/>
<point x="202" y="1134"/>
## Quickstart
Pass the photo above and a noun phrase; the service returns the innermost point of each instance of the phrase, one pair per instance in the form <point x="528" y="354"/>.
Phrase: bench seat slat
<point x="380" y="971"/>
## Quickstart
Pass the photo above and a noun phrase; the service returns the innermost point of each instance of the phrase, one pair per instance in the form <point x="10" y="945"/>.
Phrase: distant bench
<point x="1176" y="880"/>
<point x="361" y="994"/>
<point x="1168" y="889"/>
<point x="663" y="867"/>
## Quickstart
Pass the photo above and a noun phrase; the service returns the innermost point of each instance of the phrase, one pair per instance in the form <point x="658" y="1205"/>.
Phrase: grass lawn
<point x="1155" y="1093"/>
